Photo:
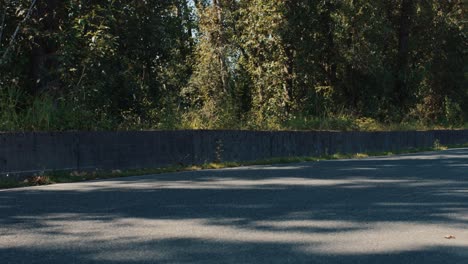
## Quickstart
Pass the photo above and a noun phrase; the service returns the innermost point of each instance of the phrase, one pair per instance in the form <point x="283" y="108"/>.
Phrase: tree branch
<point x="13" y="37"/>
<point x="2" y="26"/>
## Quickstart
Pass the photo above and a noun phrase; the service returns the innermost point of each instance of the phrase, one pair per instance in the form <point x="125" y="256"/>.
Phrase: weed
<point x="38" y="180"/>
<point x="438" y="146"/>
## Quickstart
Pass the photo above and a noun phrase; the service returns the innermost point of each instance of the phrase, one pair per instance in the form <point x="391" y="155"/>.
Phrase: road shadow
<point x="345" y="211"/>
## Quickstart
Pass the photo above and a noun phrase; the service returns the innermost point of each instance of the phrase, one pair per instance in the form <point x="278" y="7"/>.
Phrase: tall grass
<point x="20" y="112"/>
<point x="10" y="119"/>
<point x="350" y="123"/>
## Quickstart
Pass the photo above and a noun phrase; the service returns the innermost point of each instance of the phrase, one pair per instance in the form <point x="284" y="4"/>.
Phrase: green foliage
<point x="342" y="123"/>
<point x="249" y="64"/>
<point x="210" y="91"/>
<point x="265" y="60"/>
<point x="453" y="113"/>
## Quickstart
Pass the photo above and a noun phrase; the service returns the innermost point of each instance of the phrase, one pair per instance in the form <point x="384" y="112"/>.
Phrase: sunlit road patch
<point x="377" y="210"/>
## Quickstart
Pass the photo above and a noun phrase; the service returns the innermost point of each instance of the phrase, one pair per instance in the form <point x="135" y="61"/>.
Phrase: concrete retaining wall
<point x="27" y="153"/>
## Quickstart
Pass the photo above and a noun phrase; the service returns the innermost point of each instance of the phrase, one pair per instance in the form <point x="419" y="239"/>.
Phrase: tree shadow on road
<point x="377" y="210"/>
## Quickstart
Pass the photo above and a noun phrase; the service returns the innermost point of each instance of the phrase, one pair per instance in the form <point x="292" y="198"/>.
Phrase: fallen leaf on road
<point x="450" y="237"/>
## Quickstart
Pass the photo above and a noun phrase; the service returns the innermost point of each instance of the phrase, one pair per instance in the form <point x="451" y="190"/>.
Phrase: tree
<point x="210" y="91"/>
<point x="401" y="91"/>
<point x="266" y="59"/>
<point x="81" y="64"/>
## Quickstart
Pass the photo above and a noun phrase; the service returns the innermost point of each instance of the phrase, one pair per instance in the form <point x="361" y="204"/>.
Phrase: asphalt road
<point x="377" y="210"/>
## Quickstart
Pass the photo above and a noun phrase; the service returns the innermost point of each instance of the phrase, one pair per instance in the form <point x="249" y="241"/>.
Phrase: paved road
<point x="376" y="210"/>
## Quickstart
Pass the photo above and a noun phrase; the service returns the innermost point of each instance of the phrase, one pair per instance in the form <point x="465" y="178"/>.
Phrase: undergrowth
<point x="20" y="112"/>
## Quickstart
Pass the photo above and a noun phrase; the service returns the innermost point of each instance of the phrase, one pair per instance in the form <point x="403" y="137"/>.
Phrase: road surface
<point x="377" y="210"/>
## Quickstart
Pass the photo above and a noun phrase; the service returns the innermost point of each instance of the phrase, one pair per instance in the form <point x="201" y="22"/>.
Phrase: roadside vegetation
<point x="47" y="178"/>
<point x="224" y="64"/>
<point x="230" y="64"/>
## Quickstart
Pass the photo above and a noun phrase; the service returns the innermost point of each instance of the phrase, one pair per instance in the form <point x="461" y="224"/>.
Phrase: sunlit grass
<point x="366" y="124"/>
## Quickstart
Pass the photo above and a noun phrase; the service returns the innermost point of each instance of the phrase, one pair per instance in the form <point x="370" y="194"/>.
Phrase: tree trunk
<point x="43" y="53"/>
<point x="350" y="85"/>
<point x="331" y="57"/>
<point x="188" y="23"/>
<point x="220" y="44"/>
<point x="401" y="92"/>
<point x="2" y="25"/>
<point x="290" y="51"/>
